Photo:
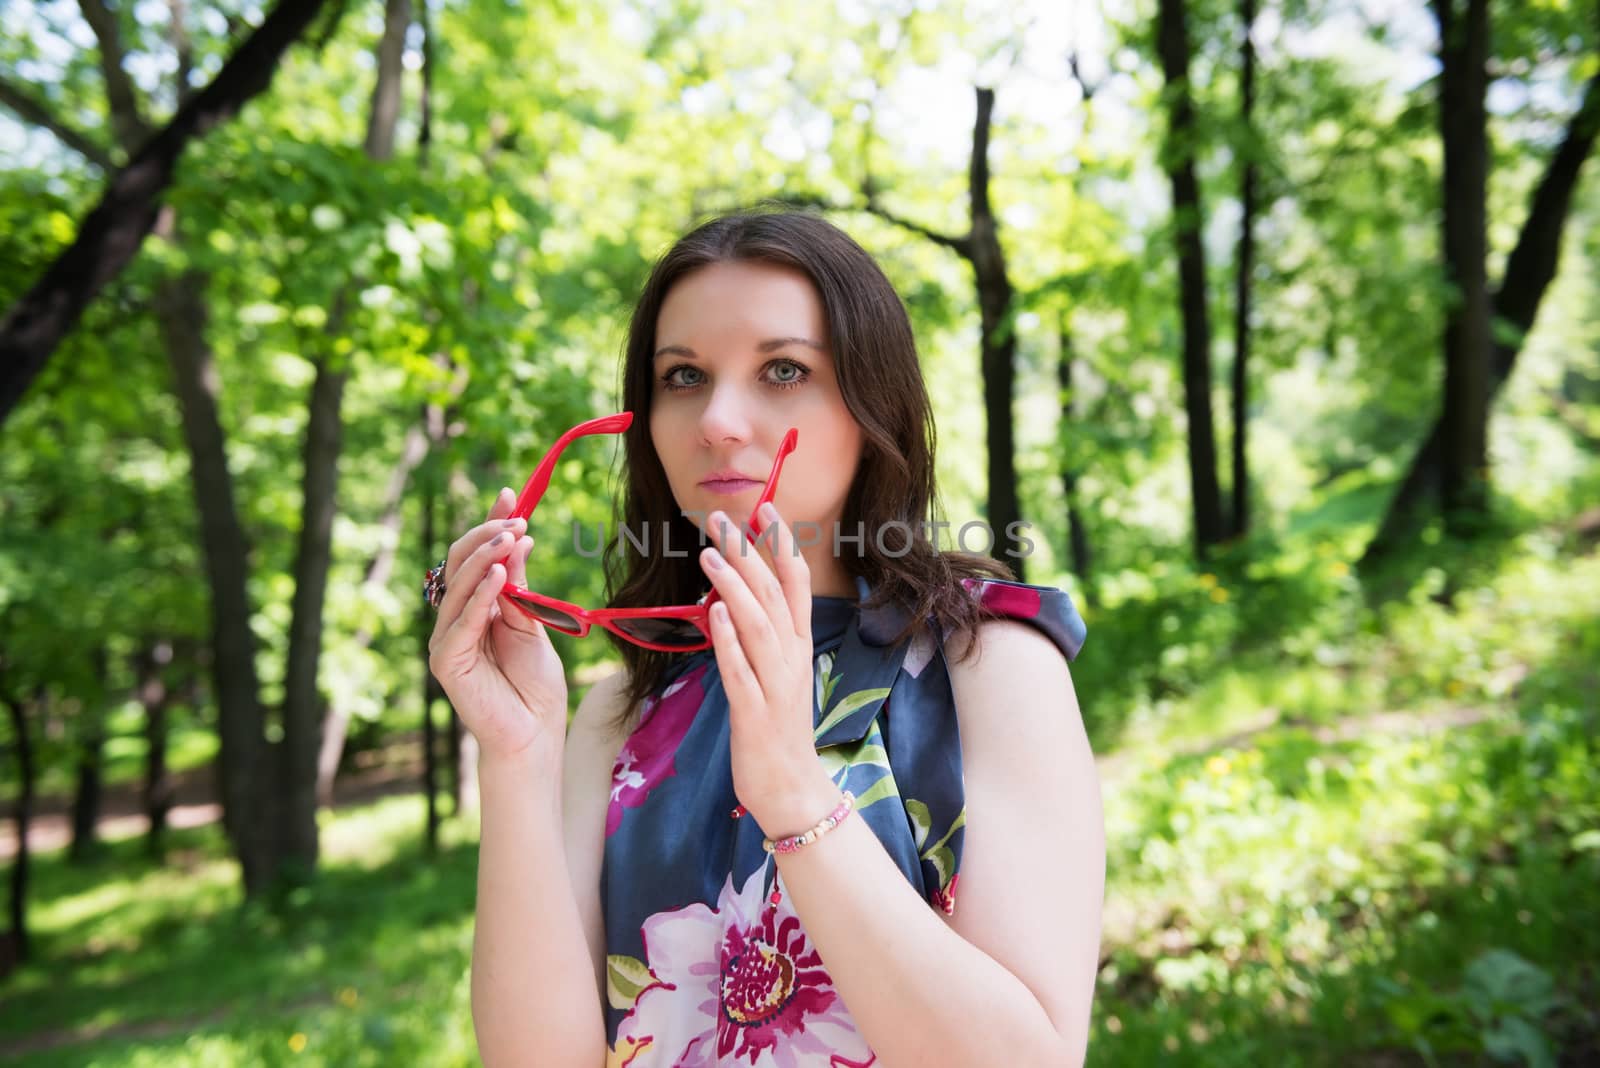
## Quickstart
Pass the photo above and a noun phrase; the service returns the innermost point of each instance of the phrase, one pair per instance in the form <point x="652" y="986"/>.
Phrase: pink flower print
<point x="741" y="985"/>
<point x="946" y="898"/>
<point x="647" y="756"/>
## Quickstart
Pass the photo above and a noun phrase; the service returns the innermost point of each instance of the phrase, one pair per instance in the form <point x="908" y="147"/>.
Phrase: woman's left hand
<point x="761" y="631"/>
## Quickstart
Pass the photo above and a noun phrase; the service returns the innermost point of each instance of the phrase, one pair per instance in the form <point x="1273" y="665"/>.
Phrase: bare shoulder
<point x="1015" y="682"/>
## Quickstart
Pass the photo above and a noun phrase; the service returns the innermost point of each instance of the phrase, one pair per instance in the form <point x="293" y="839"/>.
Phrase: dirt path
<point x="196" y="804"/>
<point x="398" y="770"/>
<point x="1119" y="763"/>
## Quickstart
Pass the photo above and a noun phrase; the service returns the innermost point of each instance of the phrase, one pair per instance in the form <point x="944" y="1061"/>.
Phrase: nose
<point x="727" y="416"/>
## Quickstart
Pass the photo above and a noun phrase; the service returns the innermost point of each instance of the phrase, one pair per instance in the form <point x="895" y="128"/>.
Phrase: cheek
<point x="661" y="439"/>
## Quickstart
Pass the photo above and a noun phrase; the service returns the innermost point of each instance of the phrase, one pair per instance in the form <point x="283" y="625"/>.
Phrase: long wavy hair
<point x="880" y="378"/>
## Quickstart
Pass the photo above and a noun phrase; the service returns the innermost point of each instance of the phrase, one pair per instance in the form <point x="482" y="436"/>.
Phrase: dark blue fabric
<point x="679" y="863"/>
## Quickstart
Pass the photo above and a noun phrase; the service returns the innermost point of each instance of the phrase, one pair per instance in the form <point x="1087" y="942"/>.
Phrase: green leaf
<point x="626" y="977"/>
<point x="849" y="704"/>
<point x="921" y="820"/>
<point x="881" y="790"/>
<point x="944" y="860"/>
<point x="1516" y="1041"/>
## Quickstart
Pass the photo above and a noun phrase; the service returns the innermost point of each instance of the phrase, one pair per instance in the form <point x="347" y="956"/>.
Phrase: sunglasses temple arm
<point x="770" y="490"/>
<point x="539" y="481"/>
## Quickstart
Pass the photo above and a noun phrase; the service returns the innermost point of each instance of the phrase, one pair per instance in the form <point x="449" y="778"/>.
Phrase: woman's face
<point x="742" y="355"/>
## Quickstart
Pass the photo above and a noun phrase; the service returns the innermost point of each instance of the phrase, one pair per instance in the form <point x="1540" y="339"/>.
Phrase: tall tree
<point x="1243" y="269"/>
<point x="1464" y="134"/>
<point x="980" y="246"/>
<point x="421" y="436"/>
<point x="155" y="697"/>
<point x="1077" y="528"/>
<point x="1528" y="271"/>
<point x="291" y="792"/>
<point x="268" y="790"/>
<point x="112" y="233"/>
<point x="1188" y="217"/>
<point x="17" y="947"/>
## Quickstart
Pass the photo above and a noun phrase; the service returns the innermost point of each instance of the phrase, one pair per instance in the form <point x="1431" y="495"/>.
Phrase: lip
<point x="728" y="474"/>
<point x="729" y="487"/>
<point x="728" y="482"/>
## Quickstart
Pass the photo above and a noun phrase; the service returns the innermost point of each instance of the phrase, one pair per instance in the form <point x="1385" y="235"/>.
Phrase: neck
<point x="828" y="576"/>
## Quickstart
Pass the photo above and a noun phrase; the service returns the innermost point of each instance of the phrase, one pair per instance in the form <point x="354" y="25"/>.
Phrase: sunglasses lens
<point x="555" y="617"/>
<point x="675" y="632"/>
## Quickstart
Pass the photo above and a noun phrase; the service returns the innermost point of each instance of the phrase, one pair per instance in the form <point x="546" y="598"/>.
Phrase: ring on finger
<point x="433" y="586"/>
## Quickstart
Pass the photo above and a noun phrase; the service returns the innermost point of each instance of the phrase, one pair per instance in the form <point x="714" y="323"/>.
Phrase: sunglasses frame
<point x="696" y="614"/>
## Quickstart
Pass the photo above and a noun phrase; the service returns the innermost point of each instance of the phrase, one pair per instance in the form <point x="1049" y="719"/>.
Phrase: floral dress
<point x="702" y="968"/>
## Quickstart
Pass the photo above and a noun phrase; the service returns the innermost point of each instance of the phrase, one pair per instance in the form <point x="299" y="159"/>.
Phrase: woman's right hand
<point x="494" y="661"/>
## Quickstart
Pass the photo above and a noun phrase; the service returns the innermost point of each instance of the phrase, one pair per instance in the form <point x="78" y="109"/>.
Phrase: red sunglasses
<point x="679" y="628"/>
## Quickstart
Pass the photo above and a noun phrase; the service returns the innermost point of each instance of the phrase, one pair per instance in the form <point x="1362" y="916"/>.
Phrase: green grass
<point x="368" y="966"/>
<point x="1336" y="833"/>
<point x="1333" y="858"/>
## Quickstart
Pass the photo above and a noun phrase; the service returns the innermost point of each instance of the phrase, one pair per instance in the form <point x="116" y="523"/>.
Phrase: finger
<point x="517" y="562"/>
<point x="739" y="680"/>
<point x="794" y="574"/>
<point x="470" y="542"/>
<point x="460" y="588"/>
<point x="754" y="627"/>
<point x="517" y="569"/>
<point x="756" y="570"/>
<point x="467" y="629"/>
<point x="499" y="511"/>
<point x="504" y="501"/>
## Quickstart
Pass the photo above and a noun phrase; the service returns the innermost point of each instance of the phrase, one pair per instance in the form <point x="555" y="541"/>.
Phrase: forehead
<point x="727" y="302"/>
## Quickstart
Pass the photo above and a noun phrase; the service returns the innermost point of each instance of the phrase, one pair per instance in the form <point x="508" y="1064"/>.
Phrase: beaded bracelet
<point x="829" y="822"/>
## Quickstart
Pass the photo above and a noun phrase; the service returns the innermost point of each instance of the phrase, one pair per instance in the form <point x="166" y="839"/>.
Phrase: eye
<point x="683" y="377"/>
<point x="786" y="374"/>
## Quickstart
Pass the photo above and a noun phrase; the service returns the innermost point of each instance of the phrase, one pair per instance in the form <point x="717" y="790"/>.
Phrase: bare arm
<point x="1010" y="978"/>
<point x="538" y="915"/>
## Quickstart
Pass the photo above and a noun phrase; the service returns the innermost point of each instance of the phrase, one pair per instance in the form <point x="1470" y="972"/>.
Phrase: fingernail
<point x="498" y="538"/>
<point x="713" y="559"/>
<point x="769" y="512"/>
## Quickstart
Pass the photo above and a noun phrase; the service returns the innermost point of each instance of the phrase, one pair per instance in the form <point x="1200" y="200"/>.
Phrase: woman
<point x="754" y="849"/>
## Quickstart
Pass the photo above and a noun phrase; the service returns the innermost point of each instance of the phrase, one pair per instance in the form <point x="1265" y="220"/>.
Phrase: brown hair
<point x="880" y="379"/>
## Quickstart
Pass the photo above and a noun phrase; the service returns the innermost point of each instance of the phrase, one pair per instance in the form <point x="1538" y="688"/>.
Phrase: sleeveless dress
<point x="702" y="969"/>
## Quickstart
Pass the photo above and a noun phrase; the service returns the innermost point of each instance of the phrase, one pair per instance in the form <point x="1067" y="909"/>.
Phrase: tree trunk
<point x="304" y="706"/>
<point x="18" y="948"/>
<point x="386" y="92"/>
<point x="302" y="701"/>
<point x="181" y="315"/>
<point x="1463" y="130"/>
<point x="312" y="753"/>
<point x="114" y="230"/>
<point x="1528" y="273"/>
<point x="158" y="791"/>
<point x="980" y="246"/>
<point x="88" y="790"/>
<point x="379" y="570"/>
<point x="1242" y="278"/>
<point x="999" y="341"/>
<point x="431" y="690"/>
<point x="1077" y="531"/>
<point x="1188" y="218"/>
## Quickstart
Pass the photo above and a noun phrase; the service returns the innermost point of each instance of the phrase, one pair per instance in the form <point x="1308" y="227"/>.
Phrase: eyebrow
<point x="770" y="345"/>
